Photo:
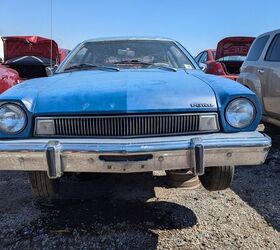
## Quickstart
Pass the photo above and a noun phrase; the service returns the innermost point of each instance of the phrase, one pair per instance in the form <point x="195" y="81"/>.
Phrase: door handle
<point x="261" y="71"/>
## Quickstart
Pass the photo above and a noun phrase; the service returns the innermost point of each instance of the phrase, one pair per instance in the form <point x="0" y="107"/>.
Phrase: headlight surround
<point x="12" y="119"/>
<point x="240" y="113"/>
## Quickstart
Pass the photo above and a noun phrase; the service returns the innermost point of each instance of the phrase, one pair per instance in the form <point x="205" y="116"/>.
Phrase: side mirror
<point x="50" y="70"/>
<point x="202" y="66"/>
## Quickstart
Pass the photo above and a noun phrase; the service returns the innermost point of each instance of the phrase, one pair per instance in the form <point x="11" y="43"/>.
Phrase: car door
<point x="254" y="69"/>
<point x="271" y="78"/>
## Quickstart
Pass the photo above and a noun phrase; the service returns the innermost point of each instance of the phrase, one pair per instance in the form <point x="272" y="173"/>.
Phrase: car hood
<point x="234" y="46"/>
<point x="126" y="91"/>
<point x="18" y="46"/>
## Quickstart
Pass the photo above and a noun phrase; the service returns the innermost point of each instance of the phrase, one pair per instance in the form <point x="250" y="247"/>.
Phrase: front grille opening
<point x="126" y="126"/>
<point x="141" y="125"/>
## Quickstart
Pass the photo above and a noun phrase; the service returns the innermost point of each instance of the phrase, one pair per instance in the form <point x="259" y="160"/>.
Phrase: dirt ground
<point x="142" y="212"/>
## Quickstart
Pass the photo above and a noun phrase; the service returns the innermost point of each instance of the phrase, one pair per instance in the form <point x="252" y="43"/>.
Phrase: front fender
<point x="226" y="91"/>
<point x="253" y="82"/>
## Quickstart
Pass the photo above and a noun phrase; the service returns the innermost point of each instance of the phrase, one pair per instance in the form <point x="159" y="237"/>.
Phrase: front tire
<point x="42" y="186"/>
<point x="217" y="178"/>
<point x="182" y="179"/>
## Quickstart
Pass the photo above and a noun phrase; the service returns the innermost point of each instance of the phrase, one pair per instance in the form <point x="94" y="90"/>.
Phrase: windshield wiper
<point x="165" y="67"/>
<point x="146" y="63"/>
<point x="132" y="62"/>
<point x="91" y="66"/>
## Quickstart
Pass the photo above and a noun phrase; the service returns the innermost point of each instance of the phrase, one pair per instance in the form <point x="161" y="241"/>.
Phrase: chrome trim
<point x="110" y="126"/>
<point x="53" y="153"/>
<point x="197" y="156"/>
<point x="82" y="155"/>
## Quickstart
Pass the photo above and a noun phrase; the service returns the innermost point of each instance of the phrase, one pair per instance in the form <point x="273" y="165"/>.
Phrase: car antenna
<point x="51" y="34"/>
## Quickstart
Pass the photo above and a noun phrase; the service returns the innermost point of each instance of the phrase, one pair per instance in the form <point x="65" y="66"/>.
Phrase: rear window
<point x="273" y="53"/>
<point x="257" y="48"/>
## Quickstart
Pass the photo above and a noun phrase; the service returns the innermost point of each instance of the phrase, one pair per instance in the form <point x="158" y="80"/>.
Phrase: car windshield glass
<point x="126" y="54"/>
<point x="233" y="58"/>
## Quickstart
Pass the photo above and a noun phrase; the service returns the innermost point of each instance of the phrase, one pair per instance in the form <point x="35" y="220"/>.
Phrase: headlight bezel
<point x="25" y="117"/>
<point x="252" y="119"/>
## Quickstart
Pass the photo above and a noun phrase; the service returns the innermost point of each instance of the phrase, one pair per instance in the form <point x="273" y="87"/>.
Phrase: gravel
<point x="138" y="211"/>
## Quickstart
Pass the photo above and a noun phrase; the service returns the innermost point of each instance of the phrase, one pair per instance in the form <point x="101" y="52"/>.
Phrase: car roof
<point x="272" y="32"/>
<point x="147" y="38"/>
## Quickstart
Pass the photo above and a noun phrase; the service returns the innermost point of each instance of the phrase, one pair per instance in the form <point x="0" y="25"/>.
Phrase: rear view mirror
<point x="126" y="52"/>
<point x="202" y="66"/>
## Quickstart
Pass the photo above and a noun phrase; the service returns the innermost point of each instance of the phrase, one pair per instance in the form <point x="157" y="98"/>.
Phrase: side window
<point x="257" y="48"/>
<point x="204" y="57"/>
<point x="198" y="57"/>
<point x="273" y="53"/>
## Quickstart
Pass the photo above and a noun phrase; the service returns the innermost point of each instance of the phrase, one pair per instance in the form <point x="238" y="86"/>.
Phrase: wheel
<point x="42" y="186"/>
<point x="217" y="178"/>
<point x="182" y="179"/>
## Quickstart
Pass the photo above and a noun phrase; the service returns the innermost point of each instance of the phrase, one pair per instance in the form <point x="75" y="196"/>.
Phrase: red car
<point x="62" y="54"/>
<point x="8" y="78"/>
<point x="227" y="59"/>
<point x="30" y="55"/>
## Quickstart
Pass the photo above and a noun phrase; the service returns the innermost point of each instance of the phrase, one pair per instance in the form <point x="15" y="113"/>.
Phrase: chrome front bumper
<point x="134" y="155"/>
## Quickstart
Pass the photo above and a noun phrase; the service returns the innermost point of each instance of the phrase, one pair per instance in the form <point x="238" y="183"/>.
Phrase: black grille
<point x="127" y="125"/>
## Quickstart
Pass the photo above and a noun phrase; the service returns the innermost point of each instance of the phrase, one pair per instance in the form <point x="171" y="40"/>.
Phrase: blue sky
<point x="196" y="24"/>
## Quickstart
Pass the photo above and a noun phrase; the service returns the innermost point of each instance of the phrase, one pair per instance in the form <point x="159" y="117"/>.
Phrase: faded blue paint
<point x="127" y="91"/>
<point x="227" y="90"/>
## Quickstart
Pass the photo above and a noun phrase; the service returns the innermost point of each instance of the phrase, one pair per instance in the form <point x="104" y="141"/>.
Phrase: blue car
<point x="122" y="105"/>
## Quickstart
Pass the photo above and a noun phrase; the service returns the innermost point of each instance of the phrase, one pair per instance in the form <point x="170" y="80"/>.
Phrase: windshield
<point x="233" y="58"/>
<point x="128" y="54"/>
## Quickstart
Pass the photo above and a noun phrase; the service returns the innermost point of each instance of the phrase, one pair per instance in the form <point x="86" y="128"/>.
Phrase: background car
<point x="62" y="54"/>
<point x="227" y="59"/>
<point x="30" y="55"/>
<point x="261" y="73"/>
<point x="205" y="57"/>
<point x="8" y="78"/>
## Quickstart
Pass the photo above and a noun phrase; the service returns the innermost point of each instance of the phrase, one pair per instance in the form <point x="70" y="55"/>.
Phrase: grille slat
<point x="127" y="125"/>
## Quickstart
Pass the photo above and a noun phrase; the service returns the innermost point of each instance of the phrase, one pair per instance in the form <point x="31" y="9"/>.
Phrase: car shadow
<point x="259" y="186"/>
<point x="108" y="212"/>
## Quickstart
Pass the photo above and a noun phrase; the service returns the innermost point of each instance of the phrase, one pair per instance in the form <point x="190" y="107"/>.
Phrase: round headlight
<point x="240" y="113"/>
<point x="12" y="119"/>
